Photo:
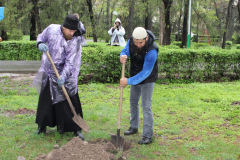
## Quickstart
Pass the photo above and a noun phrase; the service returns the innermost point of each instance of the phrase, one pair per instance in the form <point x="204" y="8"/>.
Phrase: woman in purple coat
<point x="65" y="50"/>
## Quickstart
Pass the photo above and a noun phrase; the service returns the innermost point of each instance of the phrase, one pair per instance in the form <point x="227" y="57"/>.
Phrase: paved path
<point x="19" y="67"/>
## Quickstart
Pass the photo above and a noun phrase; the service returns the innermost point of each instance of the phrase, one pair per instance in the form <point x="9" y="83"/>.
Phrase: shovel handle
<point x="121" y="97"/>
<point x="63" y="88"/>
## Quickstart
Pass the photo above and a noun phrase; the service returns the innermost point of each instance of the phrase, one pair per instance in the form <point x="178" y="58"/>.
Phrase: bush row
<point x="102" y="61"/>
<point x="200" y="65"/>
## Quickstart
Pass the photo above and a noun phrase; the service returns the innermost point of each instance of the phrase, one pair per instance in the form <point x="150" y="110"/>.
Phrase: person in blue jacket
<point x="143" y="53"/>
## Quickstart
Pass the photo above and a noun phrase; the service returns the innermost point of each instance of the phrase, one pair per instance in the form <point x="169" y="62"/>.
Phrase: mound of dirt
<point x="77" y="149"/>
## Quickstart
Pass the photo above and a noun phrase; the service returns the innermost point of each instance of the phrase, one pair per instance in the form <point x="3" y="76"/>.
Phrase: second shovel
<point x="118" y="140"/>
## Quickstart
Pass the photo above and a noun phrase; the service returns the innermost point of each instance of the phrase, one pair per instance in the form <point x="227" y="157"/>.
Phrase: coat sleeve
<point x="110" y="31"/>
<point x="120" y="32"/>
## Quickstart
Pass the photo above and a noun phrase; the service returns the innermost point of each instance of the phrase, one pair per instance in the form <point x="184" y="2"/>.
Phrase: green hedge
<point x="200" y="65"/>
<point x="102" y="61"/>
<point x="19" y="50"/>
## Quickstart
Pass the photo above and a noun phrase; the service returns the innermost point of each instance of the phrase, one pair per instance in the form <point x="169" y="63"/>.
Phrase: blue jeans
<point x="145" y="91"/>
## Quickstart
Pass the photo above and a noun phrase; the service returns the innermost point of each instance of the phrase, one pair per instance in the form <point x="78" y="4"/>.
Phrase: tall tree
<point x="167" y="5"/>
<point x="161" y="24"/>
<point x="229" y="12"/>
<point x="33" y="21"/>
<point x="219" y="20"/>
<point x="184" y="30"/>
<point x="179" y="22"/>
<point x="230" y="29"/>
<point x="38" y="23"/>
<point x="130" y="19"/>
<point x="107" y="38"/>
<point x="92" y="18"/>
<point x="238" y="6"/>
<point x="148" y="15"/>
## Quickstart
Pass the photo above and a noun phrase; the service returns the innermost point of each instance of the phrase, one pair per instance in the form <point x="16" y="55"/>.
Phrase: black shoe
<point x="79" y="134"/>
<point x="145" y="140"/>
<point x="41" y="129"/>
<point x="131" y="131"/>
<point x="60" y="129"/>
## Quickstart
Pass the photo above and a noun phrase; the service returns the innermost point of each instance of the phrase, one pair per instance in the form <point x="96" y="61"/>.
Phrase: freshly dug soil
<point x="76" y="149"/>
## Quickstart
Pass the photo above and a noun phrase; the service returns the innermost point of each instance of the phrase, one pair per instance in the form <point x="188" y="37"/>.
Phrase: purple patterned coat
<point x="66" y="56"/>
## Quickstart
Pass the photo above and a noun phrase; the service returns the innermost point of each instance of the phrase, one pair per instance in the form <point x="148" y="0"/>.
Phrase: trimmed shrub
<point x="102" y="61"/>
<point x="172" y="46"/>
<point x="177" y="43"/>
<point x="19" y="50"/>
<point x="228" y="44"/>
<point x="201" y="45"/>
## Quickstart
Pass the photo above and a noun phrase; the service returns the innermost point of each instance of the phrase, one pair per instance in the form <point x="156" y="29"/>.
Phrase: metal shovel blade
<point x="81" y="123"/>
<point x="117" y="140"/>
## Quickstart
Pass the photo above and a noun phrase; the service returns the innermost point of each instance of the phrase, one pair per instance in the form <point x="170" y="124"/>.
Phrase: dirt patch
<point x="24" y="111"/>
<point x="20" y="78"/>
<point x="236" y="103"/>
<point x="77" y="149"/>
<point x="17" y="79"/>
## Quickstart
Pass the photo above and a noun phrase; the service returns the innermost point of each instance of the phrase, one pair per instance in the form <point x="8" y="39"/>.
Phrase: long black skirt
<point x="59" y="114"/>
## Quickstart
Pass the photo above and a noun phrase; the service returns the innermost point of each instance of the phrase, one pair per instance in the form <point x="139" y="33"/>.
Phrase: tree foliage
<point x="99" y="15"/>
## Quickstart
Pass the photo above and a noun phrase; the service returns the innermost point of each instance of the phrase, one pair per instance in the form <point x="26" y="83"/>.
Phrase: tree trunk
<point x="161" y="23"/>
<point x="89" y="3"/>
<point x="230" y="26"/>
<point x="238" y="5"/>
<point x="167" y="5"/>
<point x="130" y="19"/>
<point x="219" y="21"/>
<point x="179" y="23"/>
<point x="197" y="29"/>
<point x="184" y="33"/>
<point x="148" y="18"/>
<point x="4" y="35"/>
<point x="107" y="38"/>
<point x="38" y="19"/>
<point x="111" y="21"/>
<point x="33" y="21"/>
<point x="107" y="22"/>
<point x="227" y="22"/>
<point x="148" y="22"/>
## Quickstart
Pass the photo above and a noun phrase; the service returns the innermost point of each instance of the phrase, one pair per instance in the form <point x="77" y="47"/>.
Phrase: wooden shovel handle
<point x="63" y="88"/>
<point x="121" y="97"/>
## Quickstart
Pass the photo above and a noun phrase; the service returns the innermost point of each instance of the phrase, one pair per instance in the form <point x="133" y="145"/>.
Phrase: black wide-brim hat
<point x="71" y="22"/>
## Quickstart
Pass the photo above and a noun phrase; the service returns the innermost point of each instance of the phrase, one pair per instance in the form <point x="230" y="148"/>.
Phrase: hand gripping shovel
<point x="76" y="118"/>
<point x="118" y="140"/>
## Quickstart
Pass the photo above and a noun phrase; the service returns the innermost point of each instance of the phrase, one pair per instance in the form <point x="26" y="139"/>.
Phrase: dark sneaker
<point x="79" y="134"/>
<point x="145" y="140"/>
<point x="41" y="129"/>
<point x="131" y="131"/>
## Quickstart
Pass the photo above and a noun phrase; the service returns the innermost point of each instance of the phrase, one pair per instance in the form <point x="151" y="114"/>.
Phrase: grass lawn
<point x="191" y="121"/>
